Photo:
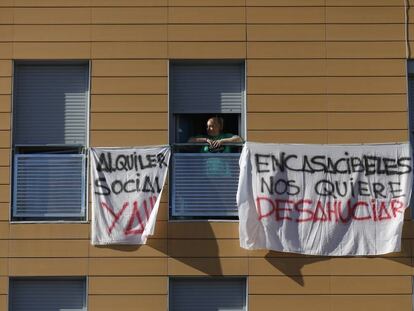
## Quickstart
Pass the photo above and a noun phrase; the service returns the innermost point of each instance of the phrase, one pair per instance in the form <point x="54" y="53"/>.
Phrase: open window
<point x="203" y="183"/>
<point x="50" y="117"/>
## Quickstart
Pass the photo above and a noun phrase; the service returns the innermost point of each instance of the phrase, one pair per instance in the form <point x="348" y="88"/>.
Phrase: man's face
<point x="213" y="128"/>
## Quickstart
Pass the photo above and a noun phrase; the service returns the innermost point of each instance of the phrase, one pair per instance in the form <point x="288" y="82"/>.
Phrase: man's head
<point x="214" y="126"/>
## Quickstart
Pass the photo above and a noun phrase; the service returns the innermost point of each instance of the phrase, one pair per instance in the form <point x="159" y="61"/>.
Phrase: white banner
<point x="126" y="192"/>
<point x="334" y="200"/>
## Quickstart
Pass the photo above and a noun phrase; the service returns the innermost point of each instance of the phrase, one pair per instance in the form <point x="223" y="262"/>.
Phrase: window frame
<point x="82" y="149"/>
<point x="242" y="124"/>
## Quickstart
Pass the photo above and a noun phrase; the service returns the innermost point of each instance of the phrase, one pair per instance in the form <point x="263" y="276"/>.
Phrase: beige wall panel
<point x="285" y="15"/>
<point x="49" y="248"/>
<point x="366" y="120"/>
<point x="207" y="266"/>
<point x="286" y="85"/>
<point x="129" y="32"/>
<point x="383" y="102"/>
<point x="51" y="16"/>
<point x="287" y="121"/>
<point x="366" y="85"/>
<point x="4" y="210"/>
<point x="4" y="265"/>
<point x="128" y="138"/>
<point x="4" y="230"/>
<point x="152" y="285"/>
<point x="6" y="68"/>
<point x="4" y="157"/>
<point x="364" y="15"/>
<point x="128" y="303"/>
<point x="366" y="67"/>
<point x="4" y="175"/>
<point x="365" y="50"/>
<point x="130" y="68"/>
<point x="286" y="68"/>
<point x="375" y="32"/>
<point x="3" y="302"/>
<point x="4" y="248"/>
<point x="283" y="285"/>
<point x="203" y="230"/>
<point x="6" y="16"/>
<point x="371" y="266"/>
<point x="206" y="15"/>
<point x="128" y="2"/>
<point x="4" y="286"/>
<point x="5" y="103"/>
<point x="372" y="302"/>
<point x="4" y="193"/>
<point x="360" y="136"/>
<point x="61" y="50"/>
<point x="129" y="121"/>
<point x="206" y="2"/>
<point x="48" y="266"/>
<point x="126" y="50"/>
<point x="6" y="33"/>
<point x="290" y="302"/>
<point x="50" y="33"/>
<point x="285" y="33"/>
<point x="130" y="85"/>
<point x="297" y="137"/>
<point x="6" y="50"/>
<point x="286" y="50"/>
<point x="52" y="3"/>
<point x="365" y="2"/>
<point x="5" y="85"/>
<point x="129" y="103"/>
<point x="153" y="248"/>
<point x="286" y="103"/>
<point x="285" y="2"/>
<point x="49" y="231"/>
<point x="127" y="266"/>
<point x="129" y="15"/>
<point x="370" y="285"/>
<point x="206" y="248"/>
<point x="206" y="33"/>
<point x="207" y="50"/>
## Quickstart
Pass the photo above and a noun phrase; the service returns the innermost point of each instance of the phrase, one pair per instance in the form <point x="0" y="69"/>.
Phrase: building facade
<point x="300" y="71"/>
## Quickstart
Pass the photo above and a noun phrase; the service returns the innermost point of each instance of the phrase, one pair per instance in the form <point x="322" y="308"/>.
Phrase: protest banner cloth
<point x="333" y="200"/>
<point x="126" y="192"/>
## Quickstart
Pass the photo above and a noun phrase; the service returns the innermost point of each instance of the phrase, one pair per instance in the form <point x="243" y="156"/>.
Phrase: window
<point x="204" y="184"/>
<point x="207" y="294"/>
<point x="50" y="113"/>
<point x="47" y="294"/>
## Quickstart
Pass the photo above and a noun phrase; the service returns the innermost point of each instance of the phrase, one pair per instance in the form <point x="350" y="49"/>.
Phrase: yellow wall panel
<point x="370" y="266"/>
<point x="364" y="15"/>
<point x="206" y="33"/>
<point x="4" y="193"/>
<point x="366" y="85"/>
<point x="130" y="68"/>
<point x="52" y="3"/>
<point x="294" y="285"/>
<point x="128" y="3"/>
<point x="127" y="50"/>
<point x="49" y="231"/>
<point x="4" y="210"/>
<point x="4" y="230"/>
<point x="288" y="50"/>
<point x="4" y="248"/>
<point x="5" y="103"/>
<point x="367" y="102"/>
<point x="3" y="302"/>
<point x="129" y="121"/>
<point x="285" y="15"/>
<point x="367" y="120"/>
<point x="286" y="85"/>
<point x="4" y="175"/>
<point x="207" y="266"/>
<point x="154" y="248"/>
<point x="272" y="32"/>
<point x="127" y="266"/>
<point x="365" y="50"/>
<point x="370" y="285"/>
<point x="366" y="67"/>
<point x="294" y="136"/>
<point x="129" y="103"/>
<point x="6" y="16"/>
<point x="5" y="68"/>
<point x="206" y="2"/>
<point x="54" y="16"/>
<point x="127" y="138"/>
<point x="361" y="136"/>
<point x="361" y="32"/>
<point x="142" y="15"/>
<point x="48" y="266"/>
<point x="130" y="85"/>
<point x="372" y="302"/>
<point x="285" y="3"/>
<point x="129" y="32"/>
<point x="206" y="15"/>
<point x="206" y="248"/>
<point x="207" y="50"/>
<point x="5" y="85"/>
<point x="286" y="67"/>
<point x="49" y="33"/>
<point x="365" y="2"/>
<point x="4" y="286"/>
<point x="49" y="248"/>
<point x="286" y="103"/>
<point x="152" y="285"/>
<point x="128" y="303"/>
<point x="4" y="157"/>
<point x="6" y="50"/>
<point x="203" y="230"/>
<point x="287" y="121"/>
<point x="4" y="266"/>
<point x="48" y="51"/>
<point x="290" y="302"/>
<point x="6" y="33"/>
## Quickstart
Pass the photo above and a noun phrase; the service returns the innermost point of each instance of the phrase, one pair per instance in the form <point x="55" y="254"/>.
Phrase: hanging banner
<point x="126" y="192"/>
<point x="333" y="200"/>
